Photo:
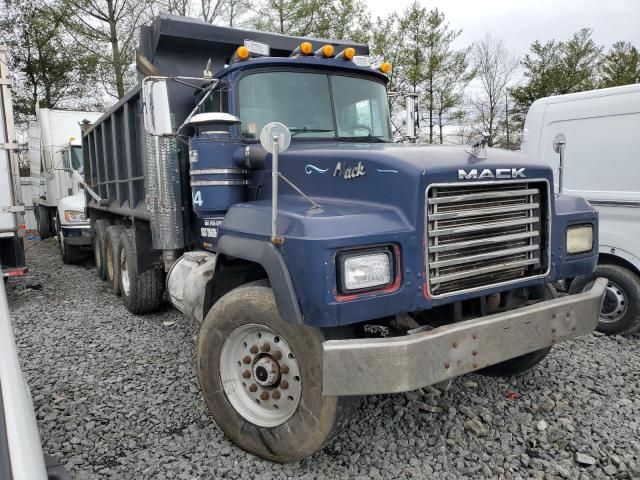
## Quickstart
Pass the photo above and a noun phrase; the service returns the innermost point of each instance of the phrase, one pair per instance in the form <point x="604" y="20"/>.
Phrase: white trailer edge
<point x="12" y="261"/>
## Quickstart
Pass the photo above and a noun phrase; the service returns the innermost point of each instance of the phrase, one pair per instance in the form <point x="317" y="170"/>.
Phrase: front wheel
<point x="620" y="313"/>
<point x="262" y="378"/>
<point x="71" y="254"/>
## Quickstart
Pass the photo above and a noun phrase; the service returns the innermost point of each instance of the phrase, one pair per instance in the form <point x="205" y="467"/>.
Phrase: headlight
<point x="365" y="270"/>
<point x="579" y="239"/>
<point x="74" y="216"/>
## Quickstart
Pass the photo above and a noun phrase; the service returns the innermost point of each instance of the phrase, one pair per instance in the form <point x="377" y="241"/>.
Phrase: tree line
<point x="75" y="54"/>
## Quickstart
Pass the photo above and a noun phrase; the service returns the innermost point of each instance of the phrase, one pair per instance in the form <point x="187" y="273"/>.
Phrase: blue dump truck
<point x="254" y="180"/>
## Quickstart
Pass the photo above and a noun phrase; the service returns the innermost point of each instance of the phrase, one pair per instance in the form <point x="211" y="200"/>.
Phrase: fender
<point x="612" y="251"/>
<point x="268" y="256"/>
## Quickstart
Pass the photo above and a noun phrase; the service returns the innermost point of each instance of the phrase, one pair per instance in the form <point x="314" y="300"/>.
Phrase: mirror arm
<point x="208" y="89"/>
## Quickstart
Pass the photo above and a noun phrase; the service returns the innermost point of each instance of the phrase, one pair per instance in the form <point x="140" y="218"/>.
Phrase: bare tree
<point x="495" y="69"/>
<point x="108" y="29"/>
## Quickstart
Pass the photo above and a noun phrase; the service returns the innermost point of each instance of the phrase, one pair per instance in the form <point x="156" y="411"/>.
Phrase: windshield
<point x="315" y="105"/>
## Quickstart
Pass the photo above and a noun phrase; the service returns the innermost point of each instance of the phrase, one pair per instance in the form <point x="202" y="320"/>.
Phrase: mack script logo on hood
<point x="491" y="173"/>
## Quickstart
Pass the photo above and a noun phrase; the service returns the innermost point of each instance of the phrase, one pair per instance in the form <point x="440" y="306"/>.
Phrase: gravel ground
<point x="117" y="397"/>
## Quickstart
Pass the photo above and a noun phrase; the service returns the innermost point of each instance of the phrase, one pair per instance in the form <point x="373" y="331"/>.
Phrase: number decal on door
<point x="197" y="198"/>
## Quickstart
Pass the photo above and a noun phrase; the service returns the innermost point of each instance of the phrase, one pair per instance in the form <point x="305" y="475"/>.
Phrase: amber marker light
<point x="385" y="68"/>
<point x="347" y="54"/>
<point x="305" y="48"/>
<point x="242" y="53"/>
<point x="326" y="51"/>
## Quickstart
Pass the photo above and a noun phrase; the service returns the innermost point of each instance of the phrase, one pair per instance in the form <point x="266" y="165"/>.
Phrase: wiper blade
<point x="367" y="138"/>
<point x="298" y="130"/>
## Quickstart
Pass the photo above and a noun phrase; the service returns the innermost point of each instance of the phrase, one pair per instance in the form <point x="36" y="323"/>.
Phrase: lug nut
<point x="275" y="395"/>
<point x="455" y="344"/>
<point x="264" y="396"/>
<point x="253" y="388"/>
<point x="277" y="355"/>
<point x="254" y="349"/>
<point x="246" y="374"/>
<point x="474" y="353"/>
<point x="446" y="365"/>
<point x="246" y="360"/>
<point x="284" y="384"/>
<point x="284" y="369"/>
<point x="266" y="347"/>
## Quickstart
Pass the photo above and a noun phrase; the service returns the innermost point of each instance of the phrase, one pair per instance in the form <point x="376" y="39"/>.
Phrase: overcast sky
<point x="520" y="22"/>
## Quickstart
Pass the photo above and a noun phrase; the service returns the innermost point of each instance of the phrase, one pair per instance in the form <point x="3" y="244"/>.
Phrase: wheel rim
<point x="124" y="273"/>
<point x="260" y="375"/>
<point x="61" y="237"/>
<point x="614" y="305"/>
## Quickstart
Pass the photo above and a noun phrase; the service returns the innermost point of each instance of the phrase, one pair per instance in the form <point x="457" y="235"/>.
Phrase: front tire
<point x="620" y="314"/>
<point x="521" y="364"/>
<point x="141" y="291"/>
<point x="280" y="415"/>
<point x="71" y="254"/>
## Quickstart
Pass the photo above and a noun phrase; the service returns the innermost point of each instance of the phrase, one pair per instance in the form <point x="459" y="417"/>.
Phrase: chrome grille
<point x="482" y="235"/>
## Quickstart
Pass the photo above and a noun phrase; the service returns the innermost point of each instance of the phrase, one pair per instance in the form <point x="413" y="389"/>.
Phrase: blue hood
<point x="394" y="175"/>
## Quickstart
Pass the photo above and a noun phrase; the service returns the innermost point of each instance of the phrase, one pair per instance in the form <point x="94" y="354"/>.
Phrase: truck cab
<point x="262" y="185"/>
<point x="71" y="224"/>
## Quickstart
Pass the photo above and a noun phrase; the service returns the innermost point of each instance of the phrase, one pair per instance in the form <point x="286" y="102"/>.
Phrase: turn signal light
<point x="347" y="54"/>
<point x="326" y="51"/>
<point x="385" y="68"/>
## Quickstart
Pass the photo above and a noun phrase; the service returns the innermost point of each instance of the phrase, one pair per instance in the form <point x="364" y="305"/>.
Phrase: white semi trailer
<point x="55" y="151"/>
<point x="591" y="140"/>
<point x="11" y="208"/>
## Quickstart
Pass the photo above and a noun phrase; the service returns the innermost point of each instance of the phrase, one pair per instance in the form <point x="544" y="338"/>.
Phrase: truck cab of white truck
<point x="55" y="153"/>
<point x="597" y="134"/>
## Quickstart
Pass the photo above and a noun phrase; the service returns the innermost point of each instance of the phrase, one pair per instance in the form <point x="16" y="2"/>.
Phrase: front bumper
<point x="399" y="364"/>
<point x="77" y="235"/>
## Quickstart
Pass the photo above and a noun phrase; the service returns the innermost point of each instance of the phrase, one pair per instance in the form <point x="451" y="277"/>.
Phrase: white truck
<point x="592" y="141"/>
<point x="11" y="209"/>
<point x="55" y="151"/>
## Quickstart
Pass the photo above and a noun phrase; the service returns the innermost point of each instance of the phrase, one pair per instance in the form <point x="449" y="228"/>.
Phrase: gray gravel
<point x="117" y="397"/>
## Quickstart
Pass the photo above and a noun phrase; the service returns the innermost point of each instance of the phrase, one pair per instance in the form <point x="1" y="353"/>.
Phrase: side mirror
<point x="412" y="115"/>
<point x="156" y="111"/>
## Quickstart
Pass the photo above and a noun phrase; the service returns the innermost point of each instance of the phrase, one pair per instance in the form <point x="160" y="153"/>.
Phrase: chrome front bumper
<point x="399" y="364"/>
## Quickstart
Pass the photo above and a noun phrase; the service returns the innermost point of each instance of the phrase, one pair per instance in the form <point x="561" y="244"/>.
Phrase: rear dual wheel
<point x="141" y="291"/>
<point x="262" y="378"/>
<point x="112" y="263"/>
<point x="98" y="243"/>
